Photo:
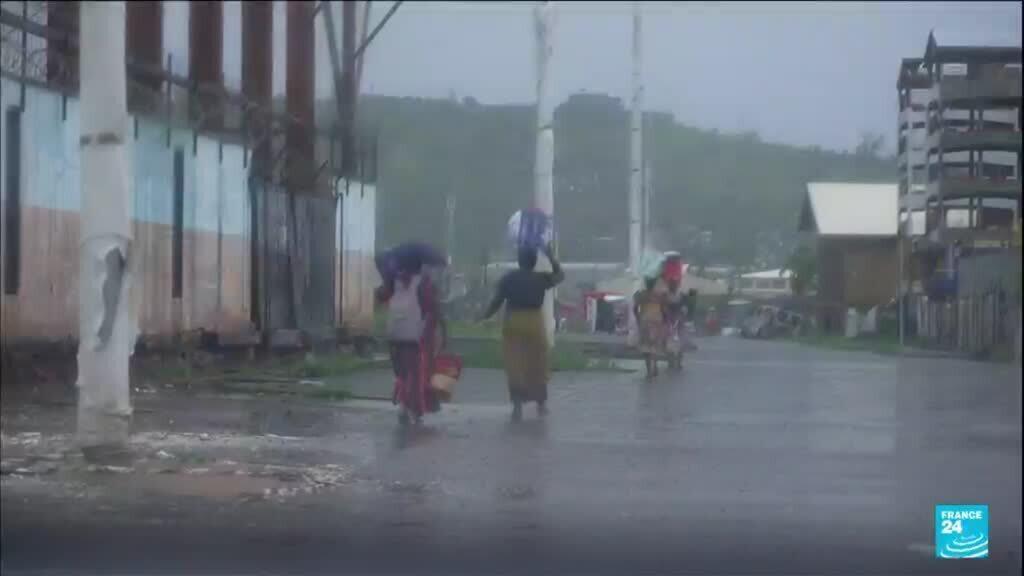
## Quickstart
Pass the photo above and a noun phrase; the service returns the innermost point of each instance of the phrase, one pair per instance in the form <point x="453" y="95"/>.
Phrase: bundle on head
<point x="673" y="270"/>
<point x="409" y="263"/>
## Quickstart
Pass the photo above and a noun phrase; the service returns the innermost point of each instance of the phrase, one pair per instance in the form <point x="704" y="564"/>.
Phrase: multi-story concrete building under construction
<point x="238" y="185"/>
<point x="960" y="192"/>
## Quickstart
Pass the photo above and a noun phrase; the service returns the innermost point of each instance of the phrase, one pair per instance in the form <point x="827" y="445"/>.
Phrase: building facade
<point x="914" y="95"/>
<point x="777" y="283"/>
<point x="238" y="186"/>
<point x="854" y="228"/>
<point x="960" y="190"/>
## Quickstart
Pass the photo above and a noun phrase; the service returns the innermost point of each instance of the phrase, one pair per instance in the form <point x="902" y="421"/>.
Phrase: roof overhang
<point x="853" y="209"/>
<point x="960" y="51"/>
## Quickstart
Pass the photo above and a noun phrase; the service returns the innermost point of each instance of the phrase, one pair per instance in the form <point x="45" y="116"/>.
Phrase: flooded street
<point x="763" y="458"/>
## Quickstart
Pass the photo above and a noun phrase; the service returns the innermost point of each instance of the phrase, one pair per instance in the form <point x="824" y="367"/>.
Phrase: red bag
<point x="447" y="370"/>
<point x="673" y="270"/>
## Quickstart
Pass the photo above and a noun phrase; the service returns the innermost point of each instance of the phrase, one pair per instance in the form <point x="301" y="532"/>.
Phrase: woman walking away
<point x="413" y="325"/>
<point x="523" y="335"/>
<point x="675" y="320"/>
<point x="648" y="306"/>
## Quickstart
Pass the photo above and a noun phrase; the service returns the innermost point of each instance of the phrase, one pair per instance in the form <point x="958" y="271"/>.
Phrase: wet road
<point x="760" y="458"/>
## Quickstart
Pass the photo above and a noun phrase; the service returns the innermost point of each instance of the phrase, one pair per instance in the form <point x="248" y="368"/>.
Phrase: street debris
<point x="22" y="439"/>
<point x="286" y="438"/>
<point x="110" y="469"/>
<point x="328" y="475"/>
<point x="216" y="465"/>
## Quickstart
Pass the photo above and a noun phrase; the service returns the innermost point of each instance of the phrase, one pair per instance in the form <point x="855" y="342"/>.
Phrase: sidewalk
<point x="215" y="446"/>
<point x="200" y="441"/>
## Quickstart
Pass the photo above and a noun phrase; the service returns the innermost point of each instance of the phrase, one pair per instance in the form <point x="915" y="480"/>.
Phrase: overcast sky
<point x="806" y="73"/>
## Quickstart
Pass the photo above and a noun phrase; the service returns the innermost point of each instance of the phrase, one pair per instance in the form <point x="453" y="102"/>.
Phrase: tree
<point x="802" y="263"/>
<point x="871" y="145"/>
<point x="746" y="192"/>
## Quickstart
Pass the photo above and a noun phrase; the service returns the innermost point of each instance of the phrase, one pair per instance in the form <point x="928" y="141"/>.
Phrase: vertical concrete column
<point x="257" y="75"/>
<point x="257" y="86"/>
<point x="299" y="88"/>
<point x="312" y="220"/>
<point x="107" y="311"/>
<point x="543" y="193"/>
<point x="144" y="46"/>
<point x="206" y="38"/>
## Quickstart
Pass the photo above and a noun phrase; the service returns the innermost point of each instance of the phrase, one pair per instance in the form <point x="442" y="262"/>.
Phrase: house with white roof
<point x="775" y="283"/>
<point x="854" y="226"/>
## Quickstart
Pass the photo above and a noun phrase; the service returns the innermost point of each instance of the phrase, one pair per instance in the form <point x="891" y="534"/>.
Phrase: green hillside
<point x="743" y="191"/>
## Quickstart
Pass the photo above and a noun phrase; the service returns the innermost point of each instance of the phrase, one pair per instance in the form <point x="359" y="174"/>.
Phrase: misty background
<point x="805" y="73"/>
<point x="746" y="102"/>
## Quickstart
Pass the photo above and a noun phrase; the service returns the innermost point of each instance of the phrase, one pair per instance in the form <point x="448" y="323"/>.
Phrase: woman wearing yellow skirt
<point x="523" y="335"/>
<point x="649" y="308"/>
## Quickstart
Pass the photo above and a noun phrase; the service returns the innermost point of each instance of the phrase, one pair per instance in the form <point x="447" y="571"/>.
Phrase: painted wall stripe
<point x="51" y="178"/>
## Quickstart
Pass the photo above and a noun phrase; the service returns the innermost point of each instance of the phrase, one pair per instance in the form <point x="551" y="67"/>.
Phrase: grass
<point x="456" y="328"/>
<point x="277" y="375"/>
<point x="329" y="390"/>
<point x="334" y="365"/>
<point x="488" y="329"/>
<point x="564" y="357"/>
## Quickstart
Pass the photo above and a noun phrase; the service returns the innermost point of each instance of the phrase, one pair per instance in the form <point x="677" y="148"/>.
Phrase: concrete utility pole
<point x="543" y="189"/>
<point x="337" y="71"/>
<point x="647" y="235"/>
<point x="107" y="319"/>
<point x="636" y="203"/>
<point x="343" y="74"/>
<point x="450" y="205"/>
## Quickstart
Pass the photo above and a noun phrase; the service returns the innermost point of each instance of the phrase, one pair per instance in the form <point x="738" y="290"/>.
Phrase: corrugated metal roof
<point x="851" y="209"/>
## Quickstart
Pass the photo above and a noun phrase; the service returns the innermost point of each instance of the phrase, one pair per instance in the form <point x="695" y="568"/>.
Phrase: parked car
<point x="760" y="323"/>
<point x="770" y="322"/>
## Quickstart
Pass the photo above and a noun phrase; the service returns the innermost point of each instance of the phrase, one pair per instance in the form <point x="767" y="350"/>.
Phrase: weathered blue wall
<point x="216" y="224"/>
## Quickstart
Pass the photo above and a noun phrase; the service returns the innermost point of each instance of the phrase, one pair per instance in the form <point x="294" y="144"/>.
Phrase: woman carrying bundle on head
<point x="523" y="334"/>
<point x="415" y="330"/>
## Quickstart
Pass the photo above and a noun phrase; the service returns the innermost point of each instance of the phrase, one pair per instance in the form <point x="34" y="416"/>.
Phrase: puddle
<point x="515" y="493"/>
<point x="407" y="487"/>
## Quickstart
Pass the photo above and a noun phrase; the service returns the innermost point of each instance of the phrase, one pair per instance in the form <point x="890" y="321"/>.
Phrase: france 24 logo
<point x="961" y="531"/>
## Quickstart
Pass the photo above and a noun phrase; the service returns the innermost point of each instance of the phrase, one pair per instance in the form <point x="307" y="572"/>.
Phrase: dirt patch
<point x="217" y="487"/>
